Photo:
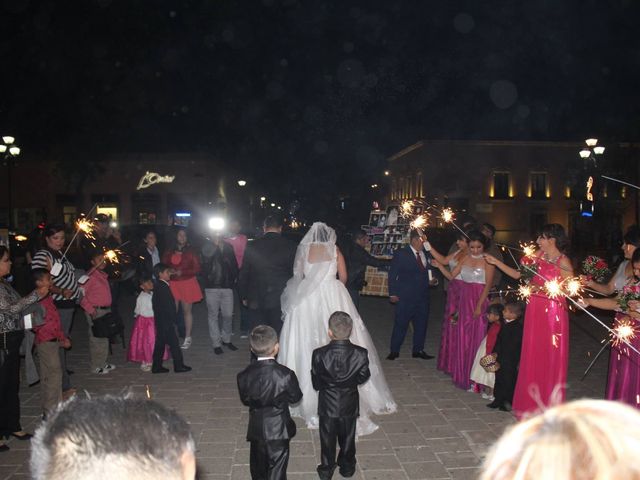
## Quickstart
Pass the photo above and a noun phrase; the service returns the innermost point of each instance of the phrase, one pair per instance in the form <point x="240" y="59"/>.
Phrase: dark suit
<point x="507" y="347"/>
<point x="165" y="315"/>
<point x="266" y="267"/>
<point x="357" y="259"/>
<point x="410" y="284"/>
<point x="268" y="388"/>
<point x="336" y="371"/>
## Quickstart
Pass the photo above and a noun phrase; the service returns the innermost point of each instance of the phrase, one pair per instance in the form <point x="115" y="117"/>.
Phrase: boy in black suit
<point x="507" y="349"/>
<point x="268" y="388"/>
<point x="165" y="314"/>
<point x="336" y="371"/>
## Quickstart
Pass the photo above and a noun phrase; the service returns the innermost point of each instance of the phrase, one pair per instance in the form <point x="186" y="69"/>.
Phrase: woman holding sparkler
<point x="476" y="279"/>
<point x="450" y="328"/>
<point x="184" y="286"/>
<point x="623" y="381"/>
<point x="545" y="344"/>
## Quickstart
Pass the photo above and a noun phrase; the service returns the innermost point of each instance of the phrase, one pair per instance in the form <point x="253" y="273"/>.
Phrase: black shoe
<point x="70" y="372"/>
<point x="218" y="351"/>
<point x="24" y="436"/>
<point x="494" y="404"/>
<point x="347" y="473"/>
<point x="422" y="354"/>
<point x="182" y="369"/>
<point x="4" y="448"/>
<point x="325" y="473"/>
<point x="505" y="408"/>
<point x="393" y="356"/>
<point x="230" y="346"/>
<point x="159" y="370"/>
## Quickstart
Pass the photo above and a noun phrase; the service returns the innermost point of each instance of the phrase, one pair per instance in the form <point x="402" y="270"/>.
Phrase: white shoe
<point x="186" y="344"/>
<point x="145" y="367"/>
<point x="108" y="367"/>
<point x="486" y="396"/>
<point x="100" y="371"/>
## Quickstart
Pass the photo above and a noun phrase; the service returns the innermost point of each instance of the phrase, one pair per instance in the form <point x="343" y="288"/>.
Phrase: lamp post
<point x="9" y="150"/>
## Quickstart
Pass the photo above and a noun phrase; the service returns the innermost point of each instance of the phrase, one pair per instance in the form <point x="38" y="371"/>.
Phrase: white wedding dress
<point x="309" y="299"/>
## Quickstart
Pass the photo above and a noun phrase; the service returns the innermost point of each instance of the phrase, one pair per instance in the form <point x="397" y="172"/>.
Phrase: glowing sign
<point x="151" y="178"/>
<point x="589" y="187"/>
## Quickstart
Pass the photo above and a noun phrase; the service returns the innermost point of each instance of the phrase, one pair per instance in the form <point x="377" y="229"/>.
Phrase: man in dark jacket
<point x="268" y="389"/>
<point x="358" y="259"/>
<point x="336" y="371"/>
<point x="266" y="268"/>
<point x="220" y="274"/>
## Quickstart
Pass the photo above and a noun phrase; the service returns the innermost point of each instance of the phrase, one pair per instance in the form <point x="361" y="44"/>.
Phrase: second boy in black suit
<point x="336" y="371"/>
<point x="165" y="314"/>
<point x="268" y="388"/>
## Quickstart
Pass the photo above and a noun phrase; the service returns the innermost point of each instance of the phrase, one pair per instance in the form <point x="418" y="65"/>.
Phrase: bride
<point x="311" y="296"/>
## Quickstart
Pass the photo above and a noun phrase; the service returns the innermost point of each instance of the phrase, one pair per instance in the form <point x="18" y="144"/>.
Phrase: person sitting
<point x="113" y="437"/>
<point x="584" y="439"/>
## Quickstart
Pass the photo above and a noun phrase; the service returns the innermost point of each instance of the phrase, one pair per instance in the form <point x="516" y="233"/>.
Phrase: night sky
<point x="306" y="94"/>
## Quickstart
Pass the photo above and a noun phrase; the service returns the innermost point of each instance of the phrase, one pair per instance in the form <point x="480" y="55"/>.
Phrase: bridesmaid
<point x="476" y="278"/>
<point x="623" y="381"/>
<point x="545" y="343"/>
<point x="449" y="331"/>
<point x="624" y="273"/>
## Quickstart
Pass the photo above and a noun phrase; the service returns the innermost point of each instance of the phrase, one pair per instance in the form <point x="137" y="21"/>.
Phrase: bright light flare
<point x="85" y="226"/>
<point x="553" y="289"/>
<point x="573" y="287"/>
<point x="528" y="249"/>
<point x="524" y="292"/>
<point x="623" y="332"/>
<point x="447" y="215"/>
<point x="111" y="256"/>
<point x="406" y="208"/>
<point x="420" y="222"/>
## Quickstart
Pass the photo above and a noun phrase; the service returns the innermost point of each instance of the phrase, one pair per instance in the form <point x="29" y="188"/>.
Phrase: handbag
<point x="107" y="326"/>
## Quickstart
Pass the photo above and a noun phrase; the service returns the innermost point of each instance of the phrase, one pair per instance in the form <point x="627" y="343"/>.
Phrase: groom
<point x="409" y="291"/>
<point x="266" y="267"/>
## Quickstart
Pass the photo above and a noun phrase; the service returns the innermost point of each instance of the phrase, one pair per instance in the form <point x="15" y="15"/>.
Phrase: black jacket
<point x="268" y="388"/>
<point x="219" y="266"/>
<point x="164" y="305"/>
<point x="336" y="371"/>
<point x="509" y="344"/>
<point x="145" y="262"/>
<point x="266" y="267"/>
<point x="357" y="259"/>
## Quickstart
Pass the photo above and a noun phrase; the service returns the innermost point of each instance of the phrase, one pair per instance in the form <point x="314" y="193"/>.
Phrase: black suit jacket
<point x="164" y="305"/>
<point x="266" y="267"/>
<point x="336" y="371"/>
<point x="268" y="388"/>
<point x="357" y="259"/>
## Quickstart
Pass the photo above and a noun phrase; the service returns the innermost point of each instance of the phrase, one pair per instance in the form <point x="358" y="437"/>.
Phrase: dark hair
<point x="341" y="324"/>
<point x="496" y="309"/>
<point x="489" y="227"/>
<point x="358" y="234"/>
<point x="82" y="436"/>
<point x="147" y="232"/>
<point x="144" y="277"/>
<point x="263" y="339"/>
<point x="463" y="236"/>
<point x="632" y="237"/>
<point x="52" y="228"/>
<point x="635" y="258"/>
<point x="273" y="221"/>
<point x="516" y="307"/>
<point x="95" y="252"/>
<point x="181" y="229"/>
<point x="4" y="250"/>
<point x="556" y="231"/>
<point x="478" y="236"/>
<point x="39" y="273"/>
<point x="159" y="268"/>
<point x="414" y="234"/>
<point x="101" y="218"/>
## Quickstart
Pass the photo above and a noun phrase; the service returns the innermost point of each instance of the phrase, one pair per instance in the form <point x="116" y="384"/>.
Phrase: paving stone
<point x="378" y="462"/>
<point x="426" y="470"/>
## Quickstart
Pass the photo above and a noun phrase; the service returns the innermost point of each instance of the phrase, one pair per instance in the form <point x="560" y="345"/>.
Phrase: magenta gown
<point x="623" y="383"/>
<point x="544" y="359"/>
<point x="449" y="330"/>
<point x="471" y="330"/>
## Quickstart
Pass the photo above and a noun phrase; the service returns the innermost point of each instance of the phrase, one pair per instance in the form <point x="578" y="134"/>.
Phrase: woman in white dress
<point x="311" y="296"/>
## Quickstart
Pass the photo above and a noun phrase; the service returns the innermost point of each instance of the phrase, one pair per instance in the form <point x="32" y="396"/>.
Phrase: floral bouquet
<point x="595" y="268"/>
<point x="528" y="268"/>
<point x="629" y="292"/>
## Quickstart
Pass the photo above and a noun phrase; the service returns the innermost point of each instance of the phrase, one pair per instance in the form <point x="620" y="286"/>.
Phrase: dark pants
<point x="344" y="431"/>
<point x="355" y="297"/>
<point x="266" y="316"/>
<point x="417" y="313"/>
<point x="10" y="382"/>
<point x="505" y="385"/>
<point x="269" y="460"/>
<point x="166" y="335"/>
<point x="66" y="321"/>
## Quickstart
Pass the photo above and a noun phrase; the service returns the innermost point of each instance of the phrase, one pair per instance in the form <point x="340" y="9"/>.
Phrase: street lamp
<point x="590" y="152"/>
<point x="242" y="183"/>
<point x="9" y="150"/>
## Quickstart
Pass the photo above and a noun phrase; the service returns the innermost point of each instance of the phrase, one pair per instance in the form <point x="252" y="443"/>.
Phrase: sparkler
<point x="553" y="288"/>
<point x="573" y="287"/>
<point x="623" y="332"/>
<point x="112" y="255"/>
<point x="406" y="208"/>
<point x="447" y="215"/>
<point x="419" y="223"/>
<point x="524" y="292"/>
<point x="620" y="181"/>
<point x="529" y="250"/>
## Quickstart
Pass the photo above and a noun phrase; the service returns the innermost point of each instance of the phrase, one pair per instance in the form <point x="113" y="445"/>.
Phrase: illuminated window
<point x="539" y="185"/>
<point x="69" y="214"/>
<point x="500" y="189"/>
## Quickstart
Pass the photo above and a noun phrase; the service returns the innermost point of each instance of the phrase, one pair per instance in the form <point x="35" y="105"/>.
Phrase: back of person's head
<point x="358" y="234"/>
<point x="39" y="274"/>
<point x="632" y="236"/>
<point x="112" y="437"/>
<point x="517" y="308"/>
<point x="495" y="309"/>
<point x="273" y="222"/>
<point x="159" y="268"/>
<point x="144" y="277"/>
<point x="581" y="440"/>
<point x="490" y="228"/>
<point x="263" y="340"/>
<point x="340" y="324"/>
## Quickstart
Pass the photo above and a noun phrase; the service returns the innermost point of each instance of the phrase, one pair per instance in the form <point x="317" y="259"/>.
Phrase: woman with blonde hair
<point x="582" y="440"/>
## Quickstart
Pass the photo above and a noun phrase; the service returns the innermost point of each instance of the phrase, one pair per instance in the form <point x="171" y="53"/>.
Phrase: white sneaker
<point x="486" y="396"/>
<point x="186" y="344"/>
<point x="100" y="371"/>
<point x="145" y="367"/>
<point x="108" y="367"/>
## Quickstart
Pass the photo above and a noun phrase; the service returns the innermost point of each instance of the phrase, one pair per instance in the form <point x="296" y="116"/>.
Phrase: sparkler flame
<point x="624" y="331"/>
<point x="447" y="215"/>
<point x="112" y="256"/>
<point x="528" y="249"/>
<point x="525" y="291"/>
<point x="420" y="222"/>
<point x="406" y="208"/>
<point x="85" y="226"/>
<point x="553" y="288"/>
<point x="573" y="287"/>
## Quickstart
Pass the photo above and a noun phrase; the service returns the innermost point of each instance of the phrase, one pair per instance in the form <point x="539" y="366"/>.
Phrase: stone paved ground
<point x="439" y="432"/>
